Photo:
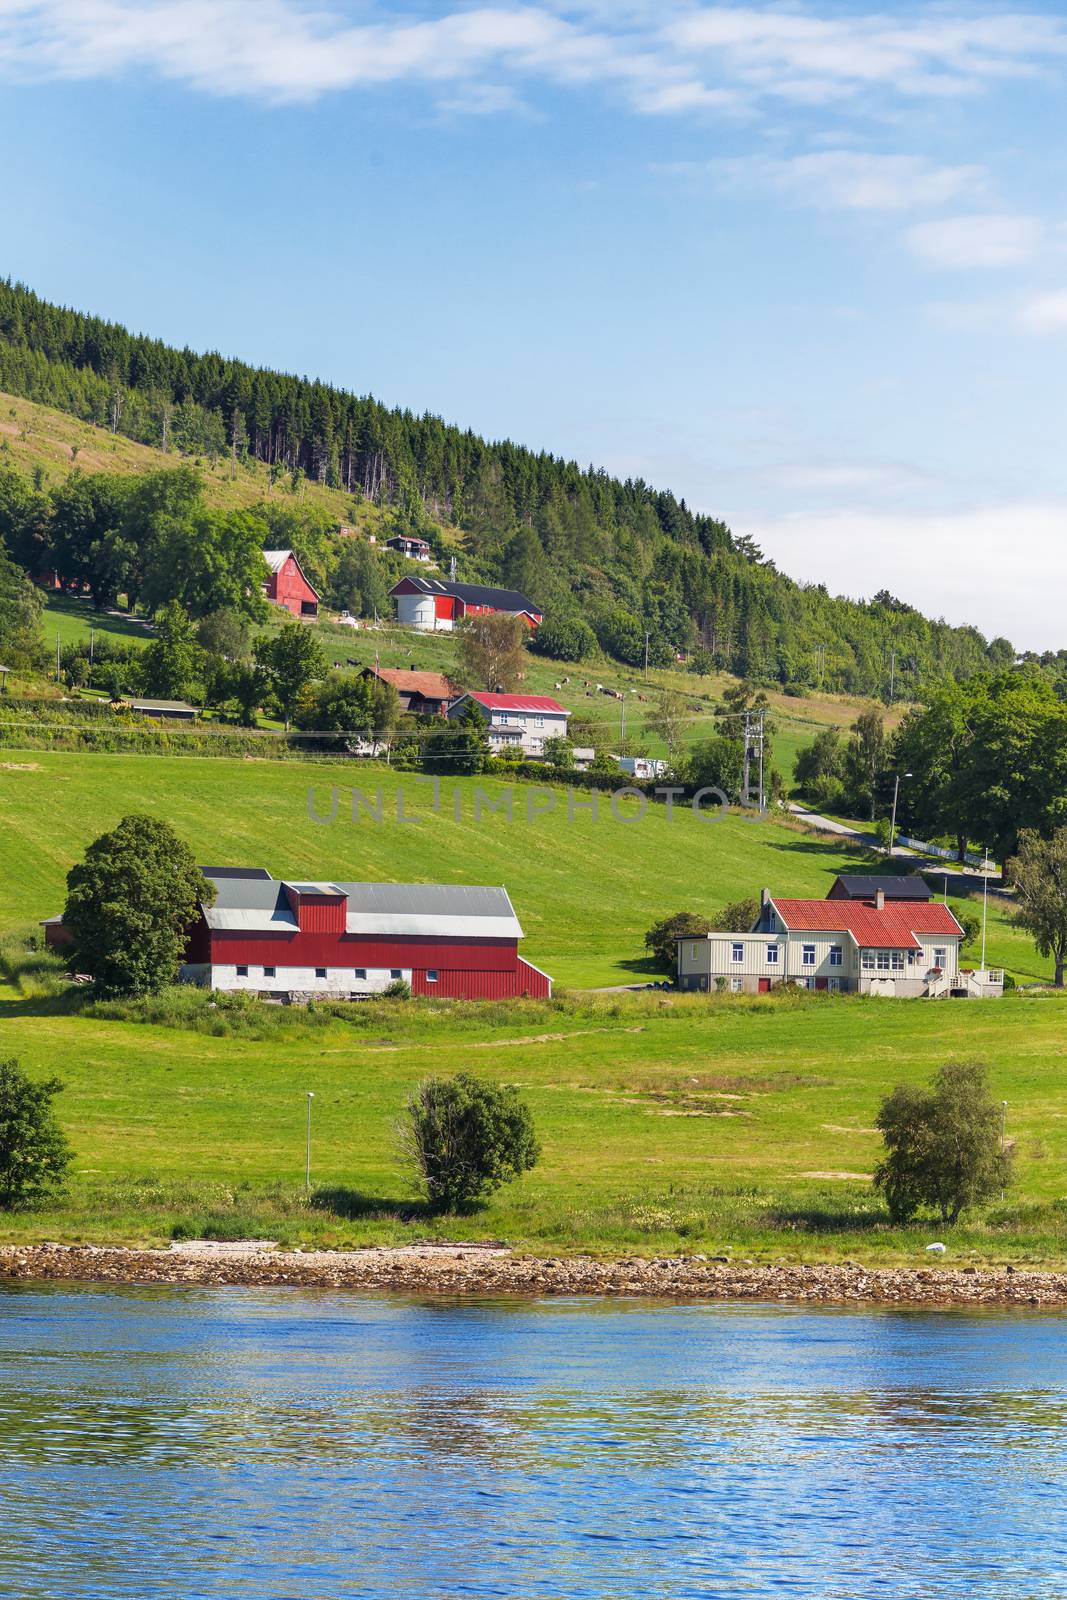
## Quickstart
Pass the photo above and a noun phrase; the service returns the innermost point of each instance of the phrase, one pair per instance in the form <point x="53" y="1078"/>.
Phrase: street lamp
<point x="307" y="1156"/>
<point x="893" y="824"/>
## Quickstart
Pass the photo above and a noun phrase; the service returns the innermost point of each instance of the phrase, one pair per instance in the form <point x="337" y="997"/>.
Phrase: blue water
<point x="264" y="1443"/>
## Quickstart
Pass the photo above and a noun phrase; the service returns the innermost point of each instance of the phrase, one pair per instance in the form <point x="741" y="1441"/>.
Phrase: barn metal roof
<point x="858" y="886"/>
<point x="443" y="909"/>
<point x="474" y="594"/>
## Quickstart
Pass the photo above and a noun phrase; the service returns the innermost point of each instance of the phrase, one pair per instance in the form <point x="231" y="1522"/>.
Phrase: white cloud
<point x="1002" y="567"/>
<point x="857" y="180"/>
<point x="1045" y="313"/>
<point x="982" y="240"/>
<point x="670" y="57"/>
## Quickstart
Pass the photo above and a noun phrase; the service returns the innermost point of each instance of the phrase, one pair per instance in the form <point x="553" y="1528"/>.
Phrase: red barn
<point x="287" y="585"/>
<point x="349" y="941"/>
<point x="436" y="605"/>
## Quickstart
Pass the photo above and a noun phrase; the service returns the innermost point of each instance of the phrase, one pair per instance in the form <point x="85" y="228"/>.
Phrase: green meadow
<point x="585" y="889"/>
<point x="669" y="1122"/>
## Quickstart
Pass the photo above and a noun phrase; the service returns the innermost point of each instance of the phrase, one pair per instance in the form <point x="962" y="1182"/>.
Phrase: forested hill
<point x="619" y="556"/>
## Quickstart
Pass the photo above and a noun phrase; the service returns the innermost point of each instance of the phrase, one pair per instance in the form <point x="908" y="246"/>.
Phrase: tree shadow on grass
<point x="825" y="1219"/>
<point x="352" y="1205"/>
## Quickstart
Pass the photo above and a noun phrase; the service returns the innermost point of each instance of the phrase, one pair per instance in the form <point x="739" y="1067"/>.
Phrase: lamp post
<point x="307" y="1155"/>
<point x="893" y="823"/>
<point x="1003" y="1133"/>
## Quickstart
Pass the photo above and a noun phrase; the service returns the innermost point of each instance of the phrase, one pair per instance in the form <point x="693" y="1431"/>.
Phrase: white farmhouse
<point x="522" y="720"/>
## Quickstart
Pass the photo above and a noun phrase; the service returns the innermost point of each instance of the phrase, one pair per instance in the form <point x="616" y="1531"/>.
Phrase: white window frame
<point x="270" y="972"/>
<point x="837" y="956"/>
<point x="807" y="955"/>
<point x="242" y="972"/>
<point x="539" y="722"/>
<point x="431" y="974"/>
<point x="834" y="985"/>
<point x="696" y="952"/>
<point x="737" y="952"/>
<point x="736" y="985"/>
<point x="772" y="955"/>
<point x="322" y="972"/>
<point x="395" y="973"/>
<point x="941" y="956"/>
<point x="361" y="974"/>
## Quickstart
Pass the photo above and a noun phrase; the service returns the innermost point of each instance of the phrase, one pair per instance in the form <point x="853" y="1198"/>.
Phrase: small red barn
<point x="287" y="586"/>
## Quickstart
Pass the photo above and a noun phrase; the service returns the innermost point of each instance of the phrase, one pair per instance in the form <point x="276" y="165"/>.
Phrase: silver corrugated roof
<point x="442" y="909"/>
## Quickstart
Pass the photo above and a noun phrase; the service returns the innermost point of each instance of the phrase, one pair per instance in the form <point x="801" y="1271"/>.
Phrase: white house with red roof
<point x="878" y="943"/>
<point x="517" y="720"/>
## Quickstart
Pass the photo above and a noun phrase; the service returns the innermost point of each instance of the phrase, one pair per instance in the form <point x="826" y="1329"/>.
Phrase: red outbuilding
<point x="287" y="586"/>
<point x="352" y="940"/>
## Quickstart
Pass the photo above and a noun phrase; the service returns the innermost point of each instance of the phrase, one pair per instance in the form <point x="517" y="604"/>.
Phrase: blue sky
<point x="804" y="264"/>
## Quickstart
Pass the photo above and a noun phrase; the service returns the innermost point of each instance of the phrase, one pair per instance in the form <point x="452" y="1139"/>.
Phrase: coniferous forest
<point x="611" y="561"/>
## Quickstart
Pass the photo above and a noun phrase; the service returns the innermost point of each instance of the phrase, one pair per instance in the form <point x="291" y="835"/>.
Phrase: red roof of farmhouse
<point x="892" y="928"/>
<point x="519" y="702"/>
<point x="433" y="685"/>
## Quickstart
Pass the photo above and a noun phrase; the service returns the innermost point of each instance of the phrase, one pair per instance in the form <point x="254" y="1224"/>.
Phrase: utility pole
<point x="985" y="898"/>
<point x="622" y="714"/>
<point x="753" y="741"/>
<point x="893" y="823"/>
<point x="58" y="670"/>
<point x="892" y="675"/>
<point x="307" y="1155"/>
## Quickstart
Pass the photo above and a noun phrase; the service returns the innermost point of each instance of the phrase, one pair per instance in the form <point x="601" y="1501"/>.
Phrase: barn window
<point x="361" y="972"/>
<point x="320" y="972"/>
<point x="431" y="976"/>
<point x="395" y="972"/>
<point x="242" y="972"/>
<point x="268" y="972"/>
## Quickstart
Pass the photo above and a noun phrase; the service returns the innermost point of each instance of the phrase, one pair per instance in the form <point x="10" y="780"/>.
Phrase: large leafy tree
<point x="661" y="940"/>
<point x="213" y="561"/>
<point x="291" y="658"/>
<point x="34" y="1154"/>
<point x="130" y="904"/>
<point x="174" y="661"/>
<point x="492" y="652"/>
<point x="942" y="1144"/>
<point x="1039" y="873"/>
<point x="20" y="618"/>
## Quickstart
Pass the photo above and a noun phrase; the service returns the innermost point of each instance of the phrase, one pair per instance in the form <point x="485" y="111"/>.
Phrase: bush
<point x="943" y="1145"/>
<point x="565" y="639"/>
<point x="737" y="917"/>
<point x="661" y="940"/>
<point x="34" y="1155"/>
<point x="464" y="1138"/>
<point x="399" y="989"/>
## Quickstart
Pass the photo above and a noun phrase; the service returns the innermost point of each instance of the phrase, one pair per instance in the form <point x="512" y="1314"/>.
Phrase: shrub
<point x="661" y="940"/>
<point x="464" y="1138"/>
<point x="943" y="1145"/>
<point x="565" y="638"/>
<point x="399" y="989"/>
<point x="34" y="1154"/>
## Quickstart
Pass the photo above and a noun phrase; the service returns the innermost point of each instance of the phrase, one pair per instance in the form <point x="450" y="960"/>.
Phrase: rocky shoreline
<point x="479" y="1270"/>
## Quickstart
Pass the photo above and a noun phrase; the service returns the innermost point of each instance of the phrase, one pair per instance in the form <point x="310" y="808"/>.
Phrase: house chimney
<point x="879" y="899"/>
<point x="765" y="897"/>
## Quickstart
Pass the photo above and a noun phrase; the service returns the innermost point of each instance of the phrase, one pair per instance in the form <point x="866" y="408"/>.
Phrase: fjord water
<point x="265" y="1444"/>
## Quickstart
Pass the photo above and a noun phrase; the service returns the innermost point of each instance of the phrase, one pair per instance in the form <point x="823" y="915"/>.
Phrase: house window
<point x="835" y="955"/>
<point x="940" y="957"/>
<point x="431" y="975"/>
<point x="242" y="972"/>
<point x="737" y="952"/>
<point x="361" y="972"/>
<point x="268" y="972"/>
<point x="735" y="985"/>
<point x="395" y="972"/>
<point x="539" y="722"/>
<point x="808" y="956"/>
<point x="772" y="955"/>
<point x="320" y="972"/>
<point x="696" y="952"/>
<point x="834" y="985"/>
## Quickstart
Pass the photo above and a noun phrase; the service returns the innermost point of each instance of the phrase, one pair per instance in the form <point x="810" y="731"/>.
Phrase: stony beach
<point x="488" y="1270"/>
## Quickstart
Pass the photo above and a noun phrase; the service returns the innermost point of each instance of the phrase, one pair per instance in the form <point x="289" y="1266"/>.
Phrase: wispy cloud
<point x="1045" y="313"/>
<point x="855" y="180"/>
<point x="990" y="240"/>
<point x="670" y="57"/>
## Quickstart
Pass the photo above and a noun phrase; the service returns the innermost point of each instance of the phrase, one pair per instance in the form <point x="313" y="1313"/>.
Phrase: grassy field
<point x="740" y="1125"/>
<point x="669" y="1123"/>
<point x="585" y="890"/>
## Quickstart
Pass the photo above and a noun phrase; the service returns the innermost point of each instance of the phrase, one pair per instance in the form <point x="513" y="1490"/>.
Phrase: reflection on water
<point x="265" y="1444"/>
